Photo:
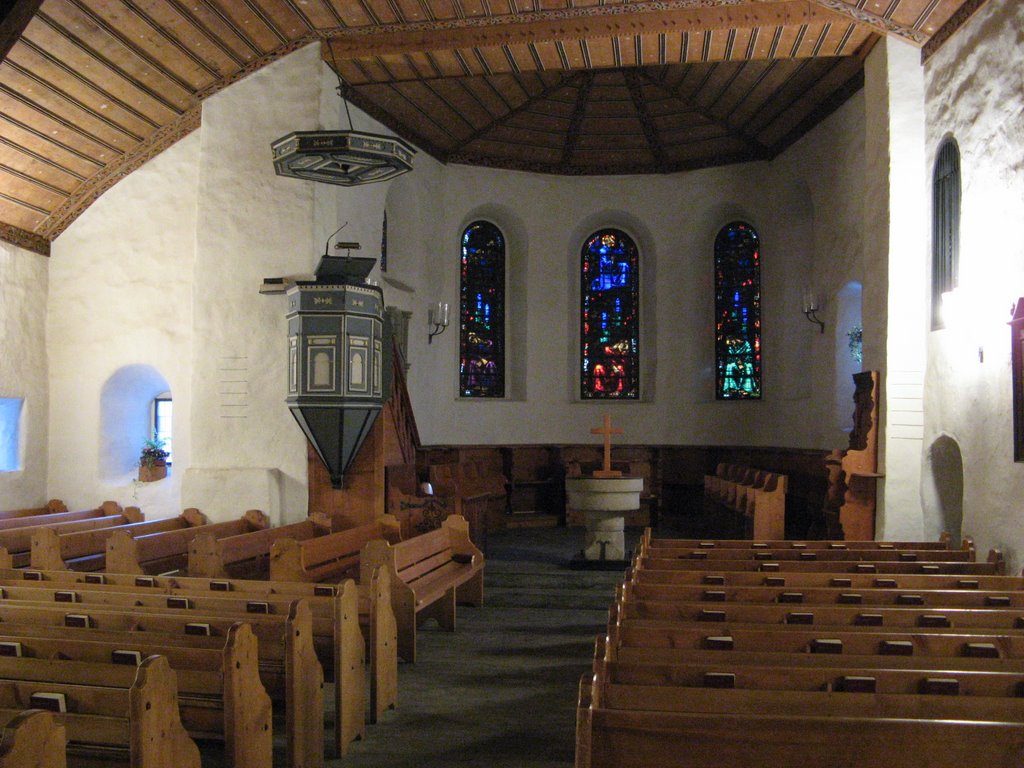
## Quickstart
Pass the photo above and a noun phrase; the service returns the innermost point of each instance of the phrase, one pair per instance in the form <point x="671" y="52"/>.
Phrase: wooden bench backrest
<point x="51" y="547"/>
<point x="327" y="556"/>
<point x="211" y="556"/>
<point x="52" y="506"/>
<point x="126" y="554"/>
<point x="106" y="509"/>
<point x="994" y="566"/>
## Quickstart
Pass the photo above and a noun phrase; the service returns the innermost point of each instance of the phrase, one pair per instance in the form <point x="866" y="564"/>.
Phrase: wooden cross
<point x="607" y="431"/>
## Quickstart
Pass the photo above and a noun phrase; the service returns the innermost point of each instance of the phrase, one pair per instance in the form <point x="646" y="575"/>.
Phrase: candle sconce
<point x="811" y="307"/>
<point x="437" y="319"/>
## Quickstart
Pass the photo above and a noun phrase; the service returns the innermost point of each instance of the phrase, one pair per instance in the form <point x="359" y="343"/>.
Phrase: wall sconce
<point x="437" y="319"/>
<point x="811" y="308"/>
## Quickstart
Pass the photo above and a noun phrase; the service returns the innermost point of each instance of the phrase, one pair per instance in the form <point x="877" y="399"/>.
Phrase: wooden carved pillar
<point x="853" y="475"/>
<point x="361" y="498"/>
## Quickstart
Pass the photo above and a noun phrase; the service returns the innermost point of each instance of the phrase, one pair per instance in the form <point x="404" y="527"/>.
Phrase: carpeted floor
<point x="501" y="690"/>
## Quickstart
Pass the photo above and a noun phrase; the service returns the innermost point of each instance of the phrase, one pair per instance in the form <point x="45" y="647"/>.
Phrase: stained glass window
<point x="738" y="313"/>
<point x="610" y="317"/>
<point x="482" y="312"/>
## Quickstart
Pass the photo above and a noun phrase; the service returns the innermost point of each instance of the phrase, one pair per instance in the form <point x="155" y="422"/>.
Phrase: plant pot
<point x="147" y="474"/>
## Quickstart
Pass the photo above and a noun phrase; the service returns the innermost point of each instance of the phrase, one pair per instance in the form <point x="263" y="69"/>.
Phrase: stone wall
<point x="975" y="94"/>
<point x="23" y="370"/>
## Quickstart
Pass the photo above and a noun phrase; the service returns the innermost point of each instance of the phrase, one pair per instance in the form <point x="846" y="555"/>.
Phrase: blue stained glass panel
<point x="610" y="317"/>
<point x="738" y="313"/>
<point x="482" y="312"/>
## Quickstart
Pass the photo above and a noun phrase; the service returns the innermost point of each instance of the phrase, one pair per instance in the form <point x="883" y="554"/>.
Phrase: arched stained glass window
<point x="945" y="226"/>
<point x="482" y="312"/>
<point x="738" y="313"/>
<point x="610" y="317"/>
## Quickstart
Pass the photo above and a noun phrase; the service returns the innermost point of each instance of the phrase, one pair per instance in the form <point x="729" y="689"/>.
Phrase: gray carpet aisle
<point x="501" y="690"/>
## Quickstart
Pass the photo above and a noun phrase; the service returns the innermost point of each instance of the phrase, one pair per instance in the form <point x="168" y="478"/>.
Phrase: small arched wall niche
<point x="126" y="419"/>
<point x="943" y="489"/>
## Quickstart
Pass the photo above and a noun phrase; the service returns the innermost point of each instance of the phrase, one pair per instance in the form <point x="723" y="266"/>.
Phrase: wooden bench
<point x="807" y="579"/>
<point x="17" y="540"/>
<point x="646" y="588"/>
<point x="219" y="691"/>
<point x="288" y="664"/>
<point x="85" y="550"/>
<point x="651" y="544"/>
<point x="33" y="739"/>
<point x="759" y="495"/>
<point x="994" y="565"/>
<point x="331" y="557"/>
<point x="106" y="509"/>
<point x="53" y="505"/>
<point x="135" y="724"/>
<point x="247" y="555"/>
<point x="339" y="612"/>
<point x="167" y="551"/>
<point x="429" y="574"/>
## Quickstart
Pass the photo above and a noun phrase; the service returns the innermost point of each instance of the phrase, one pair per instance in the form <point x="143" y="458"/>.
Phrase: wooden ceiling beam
<point x="24" y="239"/>
<point x="877" y="22"/>
<point x="644" y="115"/>
<point x="600" y="21"/>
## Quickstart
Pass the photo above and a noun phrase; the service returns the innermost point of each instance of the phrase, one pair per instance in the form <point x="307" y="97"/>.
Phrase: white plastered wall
<point x="121" y="295"/>
<point x="23" y="292"/>
<point x="975" y="93"/>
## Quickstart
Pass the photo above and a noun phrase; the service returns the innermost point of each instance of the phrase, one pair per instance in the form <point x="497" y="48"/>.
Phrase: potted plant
<point x="153" y="461"/>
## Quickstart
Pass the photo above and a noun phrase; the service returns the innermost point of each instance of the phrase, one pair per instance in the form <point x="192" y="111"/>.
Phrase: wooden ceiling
<point x="91" y="89"/>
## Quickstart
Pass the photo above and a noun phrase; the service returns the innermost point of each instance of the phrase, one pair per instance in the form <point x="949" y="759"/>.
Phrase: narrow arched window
<point x="482" y="312"/>
<point x="945" y="226"/>
<point x="738" y="313"/>
<point x="610" y="317"/>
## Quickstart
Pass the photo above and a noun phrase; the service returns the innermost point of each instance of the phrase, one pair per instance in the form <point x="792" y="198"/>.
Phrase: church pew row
<point x="649" y="543"/>
<point x="117" y="722"/>
<point x="994" y="565"/>
<point x="611" y="738"/>
<point x="641" y="586"/>
<point x="810" y="555"/>
<point x="759" y="495"/>
<point x="50" y="507"/>
<point x="247" y="555"/>
<point x="33" y="739"/>
<point x="817" y="615"/>
<point x="17" y="540"/>
<point x="168" y="550"/>
<point x="339" y="612"/>
<point x="331" y="557"/>
<point x="105" y="509"/>
<point x="85" y="550"/>
<point x="429" y="574"/>
<point x="288" y="665"/>
<point x="220" y="695"/>
<point x="800" y="580"/>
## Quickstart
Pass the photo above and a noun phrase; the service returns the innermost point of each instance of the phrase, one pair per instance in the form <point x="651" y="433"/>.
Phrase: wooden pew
<point x="337" y="611"/>
<point x="136" y="725"/>
<point x="810" y="555"/>
<point x="85" y="550"/>
<point x="646" y="588"/>
<point x="650" y="543"/>
<point x="17" y="540"/>
<point x="33" y="739"/>
<point x="859" y="581"/>
<point x="161" y="552"/>
<point x="606" y="734"/>
<point x="995" y="565"/>
<point x="429" y="574"/>
<point x="289" y="667"/>
<point x="219" y="690"/>
<point x="331" y="557"/>
<point x="106" y="509"/>
<point x="247" y="555"/>
<point x="52" y="506"/>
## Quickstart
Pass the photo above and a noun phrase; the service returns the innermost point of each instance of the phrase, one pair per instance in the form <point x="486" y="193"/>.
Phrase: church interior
<point x="772" y="235"/>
